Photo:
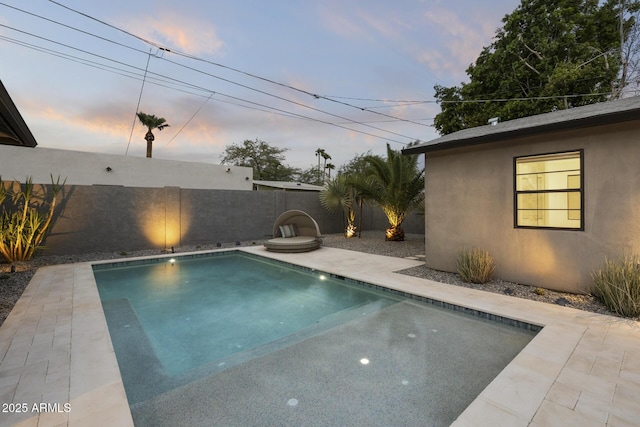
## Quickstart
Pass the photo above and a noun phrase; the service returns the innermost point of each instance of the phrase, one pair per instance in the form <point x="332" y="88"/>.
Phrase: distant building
<point x="286" y="186"/>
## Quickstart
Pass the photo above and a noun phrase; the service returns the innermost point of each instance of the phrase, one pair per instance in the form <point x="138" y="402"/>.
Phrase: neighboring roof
<point x="13" y="129"/>
<point x="602" y="113"/>
<point x="281" y="185"/>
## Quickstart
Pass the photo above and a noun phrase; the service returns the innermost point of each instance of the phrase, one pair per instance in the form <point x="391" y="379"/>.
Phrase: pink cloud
<point x="187" y="34"/>
<point x="461" y="43"/>
<point x="360" y="23"/>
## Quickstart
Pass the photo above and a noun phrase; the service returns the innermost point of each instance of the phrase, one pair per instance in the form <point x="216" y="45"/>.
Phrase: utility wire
<point x="212" y="75"/>
<point x="71" y="28"/>
<point x="291" y="101"/>
<point x="135" y="116"/>
<point x="316" y="96"/>
<point x="190" y="118"/>
<point x="333" y="98"/>
<point x="208" y="90"/>
<point x="285" y="113"/>
<point x="130" y="74"/>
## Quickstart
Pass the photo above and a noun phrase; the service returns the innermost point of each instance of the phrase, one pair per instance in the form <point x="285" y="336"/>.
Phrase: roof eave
<point x="22" y="136"/>
<point x="577" y="123"/>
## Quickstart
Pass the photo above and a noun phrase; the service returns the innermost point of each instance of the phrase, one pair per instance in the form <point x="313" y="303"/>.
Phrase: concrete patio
<point x="581" y="369"/>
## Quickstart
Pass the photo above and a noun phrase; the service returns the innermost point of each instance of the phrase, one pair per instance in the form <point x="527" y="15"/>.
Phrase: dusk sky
<point x="345" y="76"/>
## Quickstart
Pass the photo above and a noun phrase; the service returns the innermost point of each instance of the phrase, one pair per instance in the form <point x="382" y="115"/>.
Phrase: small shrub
<point x="540" y="291"/>
<point x="617" y="284"/>
<point x="4" y="276"/>
<point x="123" y="253"/>
<point x="475" y="265"/>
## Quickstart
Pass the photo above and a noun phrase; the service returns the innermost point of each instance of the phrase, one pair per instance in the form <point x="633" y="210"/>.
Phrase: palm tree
<point x="340" y="193"/>
<point x="320" y="153"/>
<point x="151" y="122"/>
<point x="396" y="185"/>
<point x="326" y="157"/>
<point x="329" y="168"/>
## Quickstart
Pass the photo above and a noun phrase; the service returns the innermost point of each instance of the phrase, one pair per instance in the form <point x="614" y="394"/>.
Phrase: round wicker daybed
<point x="294" y="231"/>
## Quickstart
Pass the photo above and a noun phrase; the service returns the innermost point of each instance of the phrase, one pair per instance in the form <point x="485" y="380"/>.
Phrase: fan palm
<point x="396" y="184"/>
<point x="338" y="193"/>
<point x="151" y="122"/>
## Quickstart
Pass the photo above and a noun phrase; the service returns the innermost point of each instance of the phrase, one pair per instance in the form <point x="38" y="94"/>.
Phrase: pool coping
<point x="581" y="368"/>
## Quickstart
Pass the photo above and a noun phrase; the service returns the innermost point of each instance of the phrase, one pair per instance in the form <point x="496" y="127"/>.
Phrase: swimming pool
<point x="274" y="328"/>
<point x="196" y="310"/>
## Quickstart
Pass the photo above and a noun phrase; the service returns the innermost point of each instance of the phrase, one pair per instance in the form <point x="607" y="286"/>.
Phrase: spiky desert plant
<point x="475" y="265"/>
<point x="23" y="229"/>
<point x="617" y="284"/>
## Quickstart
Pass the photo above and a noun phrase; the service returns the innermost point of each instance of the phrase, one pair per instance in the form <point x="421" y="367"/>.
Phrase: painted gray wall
<point x="469" y="202"/>
<point x="99" y="218"/>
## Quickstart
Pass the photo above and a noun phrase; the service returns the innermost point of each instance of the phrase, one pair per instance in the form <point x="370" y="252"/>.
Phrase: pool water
<point x="239" y="339"/>
<point x="198" y="310"/>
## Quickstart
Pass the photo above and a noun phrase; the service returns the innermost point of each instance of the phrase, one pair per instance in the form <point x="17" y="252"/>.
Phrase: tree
<point x="320" y="152"/>
<point x="339" y="193"/>
<point x="310" y="176"/>
<point x="629" y="34"/>
<point x="355" y="166"/>
<point x="265" y="159"/>
<point x="557" y="54"/>
<point x="396" y="184"/>
<point x="329" y="167"/>
<point x="151" y="122"/>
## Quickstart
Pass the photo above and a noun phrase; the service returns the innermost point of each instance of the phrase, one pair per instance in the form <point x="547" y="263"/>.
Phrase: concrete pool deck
<point x="581" y="369"/>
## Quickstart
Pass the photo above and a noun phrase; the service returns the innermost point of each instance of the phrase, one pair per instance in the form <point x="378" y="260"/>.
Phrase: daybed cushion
<point x="292" y="244"/>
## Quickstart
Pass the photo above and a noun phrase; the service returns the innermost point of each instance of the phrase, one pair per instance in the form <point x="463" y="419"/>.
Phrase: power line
<point x="209" y="90"/>
<point x="316" y="96"/>
<point x="332" y="98"/>
<point x="288" y="100"/>
<point x="190" y="118"/>
<point x="70" y="27"/>
<point x="361" y="123"/>
<point x="144" y="79"/>
<point x="151" y="79"/>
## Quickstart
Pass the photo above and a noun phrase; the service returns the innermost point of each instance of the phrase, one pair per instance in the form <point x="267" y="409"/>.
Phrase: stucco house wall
<point x="470" y="203"/>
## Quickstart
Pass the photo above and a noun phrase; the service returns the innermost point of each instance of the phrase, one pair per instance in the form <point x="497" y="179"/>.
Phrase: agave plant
<point x="23" y="230"/>
<point x="396" y="184"/>
<point x="339" y="193"/>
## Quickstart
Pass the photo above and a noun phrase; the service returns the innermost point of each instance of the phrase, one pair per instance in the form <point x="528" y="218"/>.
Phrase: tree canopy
<point x="265" y="159"/>
<point x="549" y="55"/>
<point x="151" y="122"/>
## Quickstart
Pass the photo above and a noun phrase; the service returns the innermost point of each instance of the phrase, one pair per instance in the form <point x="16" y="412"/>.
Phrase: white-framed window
<point x="548" y="191"/>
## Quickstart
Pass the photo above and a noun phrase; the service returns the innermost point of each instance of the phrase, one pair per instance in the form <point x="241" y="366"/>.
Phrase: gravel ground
<point x="12" y="284"/>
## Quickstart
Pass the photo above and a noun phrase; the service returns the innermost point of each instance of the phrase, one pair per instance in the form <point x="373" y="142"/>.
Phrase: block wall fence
<point x="104" y="218"/>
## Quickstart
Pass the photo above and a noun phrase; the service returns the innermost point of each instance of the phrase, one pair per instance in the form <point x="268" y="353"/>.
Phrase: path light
<point x="364" y="361"/>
